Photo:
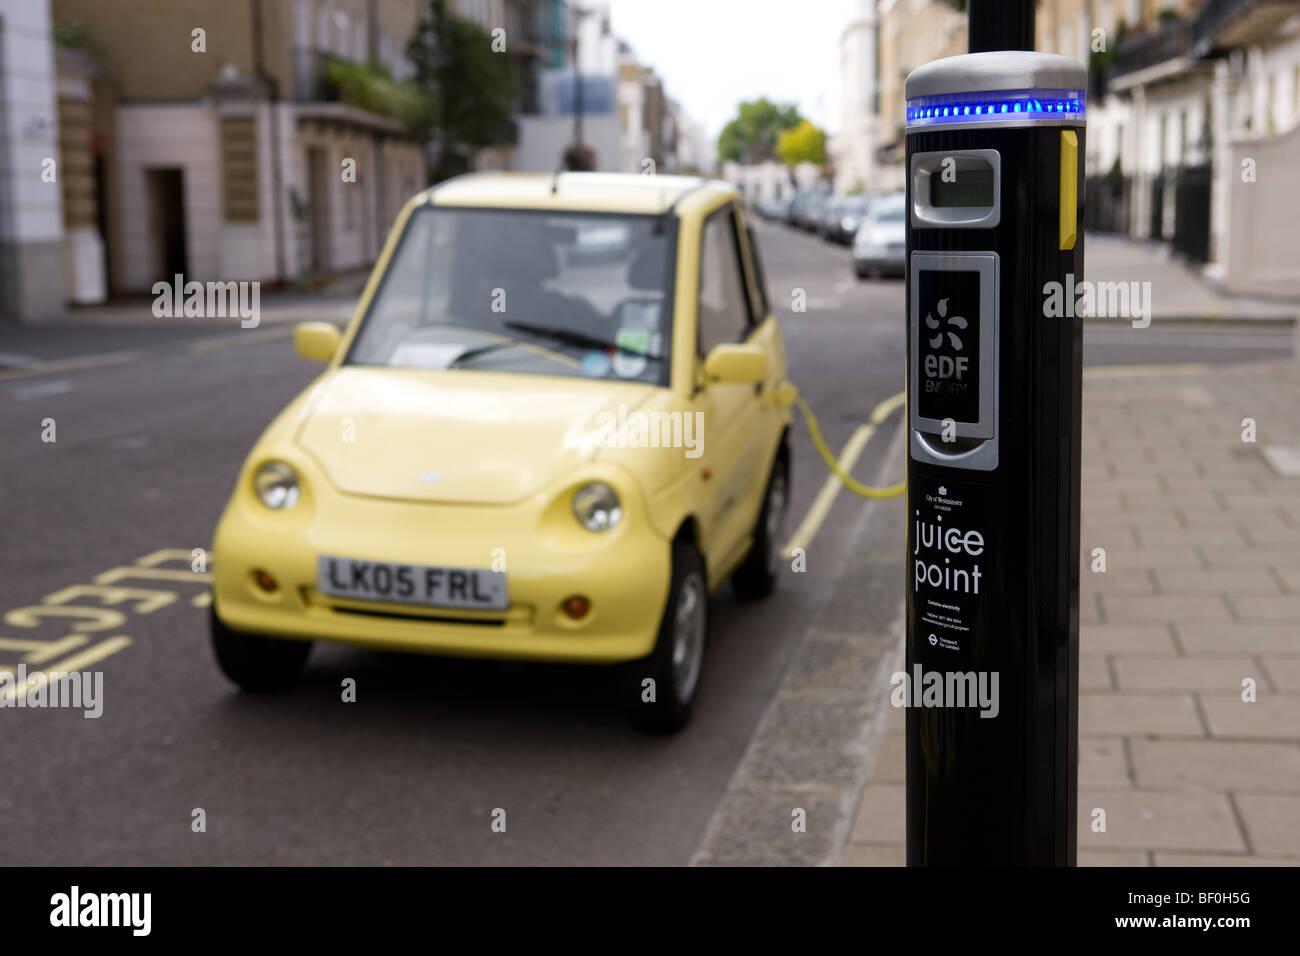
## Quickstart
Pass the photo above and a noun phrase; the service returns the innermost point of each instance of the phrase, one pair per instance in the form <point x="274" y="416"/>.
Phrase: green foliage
<point x="469" y="86"/>
<point x="752" y="136"/>
<point x="75" y="35"/>
<point x="804" y="143"/>
<point x="370" y="87"/>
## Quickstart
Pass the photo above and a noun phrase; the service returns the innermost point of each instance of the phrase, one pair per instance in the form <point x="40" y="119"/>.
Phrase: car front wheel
<point x="756" y="578"/>
<point x="659" y="690"/>
<point x="257" y="663"/>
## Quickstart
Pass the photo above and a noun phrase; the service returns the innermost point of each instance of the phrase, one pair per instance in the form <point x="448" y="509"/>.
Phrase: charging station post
<point x="995" y="143"/>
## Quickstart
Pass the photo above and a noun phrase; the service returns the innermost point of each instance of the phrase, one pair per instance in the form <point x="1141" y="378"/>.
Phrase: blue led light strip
<point x="998" y="106"/>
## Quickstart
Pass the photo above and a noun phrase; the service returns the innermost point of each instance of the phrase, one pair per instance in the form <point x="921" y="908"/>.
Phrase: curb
<point x="1226" y="322"/>
<point x="815" y="745"/>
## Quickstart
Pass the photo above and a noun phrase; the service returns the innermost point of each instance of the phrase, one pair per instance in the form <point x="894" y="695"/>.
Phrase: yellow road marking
<point x="113" y="575"/>
<point x="235" y="339"/>
<point x="201" y="600"/>
<point x="38" y="652"/>
<point x="162" y="555"/>
<point x="1125" y="371"/>
<point x="68" y="665"/>
<point x="821" y="505"/>
<point x="72" y="364"/>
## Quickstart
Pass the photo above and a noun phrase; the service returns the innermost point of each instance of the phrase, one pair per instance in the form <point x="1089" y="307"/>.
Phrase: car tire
<point x="756" y="577"/>
<point x="676" y="663"/>
<point x="258" y="664"/>
<point x="860" y="272"/>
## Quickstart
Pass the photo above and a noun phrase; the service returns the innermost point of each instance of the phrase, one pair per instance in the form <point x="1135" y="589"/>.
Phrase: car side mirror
<point x="316" y="341"/>
<point x="736" y="365"/>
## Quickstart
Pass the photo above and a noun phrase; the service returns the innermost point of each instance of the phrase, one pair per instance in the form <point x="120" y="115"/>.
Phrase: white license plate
<point x="465" y="588"/>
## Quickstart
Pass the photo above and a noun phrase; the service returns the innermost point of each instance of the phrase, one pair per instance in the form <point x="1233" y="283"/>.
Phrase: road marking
<point x="73" y="364"/>
<point x="235" y="339"/>
<point x="21" y="361"/>
<point x="1125" y="371"/>
<point x="44" y="652"/>
<point x="821" y="505"/>
<point x="25" y="393"/>
<point x="68" y="665"/>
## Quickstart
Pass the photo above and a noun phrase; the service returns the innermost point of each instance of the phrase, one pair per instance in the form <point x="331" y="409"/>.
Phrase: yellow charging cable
<point x="789" y="395"/>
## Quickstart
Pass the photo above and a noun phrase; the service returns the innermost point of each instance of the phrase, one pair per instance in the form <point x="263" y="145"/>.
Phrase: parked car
<point x="468" y="480"/>
<point x="794" y="212"/>
<point x="830" y="217"/>
<point x="879" y="245"/>
<point x="851" y="214"/>
<point x="811" y="217"/>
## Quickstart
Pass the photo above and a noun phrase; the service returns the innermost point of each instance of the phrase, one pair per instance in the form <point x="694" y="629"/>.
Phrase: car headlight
<point x="596" y="506"/>
<point x="276" y="485"/>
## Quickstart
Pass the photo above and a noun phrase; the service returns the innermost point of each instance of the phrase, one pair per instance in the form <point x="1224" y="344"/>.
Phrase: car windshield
<point x="580" y="294"/>
<point x="889" y="209"/>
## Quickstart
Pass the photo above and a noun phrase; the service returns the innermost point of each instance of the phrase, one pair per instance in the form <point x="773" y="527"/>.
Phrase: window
<point x="724" y="305"/>
<point x="502" y="290"/>
<point x="323" y="28"/>
<point x="239" y="168"/>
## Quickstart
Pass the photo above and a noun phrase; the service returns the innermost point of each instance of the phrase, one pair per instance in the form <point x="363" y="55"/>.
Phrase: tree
<point x="804" y="143"/>
<point x="470" y="86"/>
<point x="752" y="136"/>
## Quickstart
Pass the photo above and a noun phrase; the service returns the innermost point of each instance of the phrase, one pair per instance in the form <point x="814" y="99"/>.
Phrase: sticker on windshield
<point x="425" y="355"/>
<point x="628" y="364"/>
<point x="633" y="340"/>
<point x="595" y="364"/>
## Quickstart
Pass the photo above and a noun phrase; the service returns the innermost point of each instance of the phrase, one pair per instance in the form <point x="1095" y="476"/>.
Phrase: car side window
<point x="724" y="296"/>
<point x="762" y="305"/>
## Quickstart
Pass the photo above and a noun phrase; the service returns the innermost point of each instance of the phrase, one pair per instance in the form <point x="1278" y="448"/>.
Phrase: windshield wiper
<point x="574" y="337"/>
<point x="481" y="350"/>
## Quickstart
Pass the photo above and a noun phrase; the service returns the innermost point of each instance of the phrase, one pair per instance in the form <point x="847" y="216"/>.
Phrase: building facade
<point x="1191" y="105"/>
<point x="33" y="251"/>
<point x="853" y="147"/>
<point x="226" y="153"/>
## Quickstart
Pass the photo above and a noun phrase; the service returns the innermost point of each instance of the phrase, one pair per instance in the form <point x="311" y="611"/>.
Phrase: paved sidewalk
<point x="1201" y="593"/>
<point x="1178" y="291"/>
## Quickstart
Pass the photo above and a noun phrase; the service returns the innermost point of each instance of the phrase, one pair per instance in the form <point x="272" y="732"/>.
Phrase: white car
<point x="879" y="245"/>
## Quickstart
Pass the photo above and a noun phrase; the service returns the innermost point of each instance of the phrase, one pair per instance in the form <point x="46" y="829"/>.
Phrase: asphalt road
<point x="152" y="424"/>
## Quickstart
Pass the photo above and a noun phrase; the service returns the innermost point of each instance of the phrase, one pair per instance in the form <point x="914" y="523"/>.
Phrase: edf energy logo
<point x="949" y="370"/>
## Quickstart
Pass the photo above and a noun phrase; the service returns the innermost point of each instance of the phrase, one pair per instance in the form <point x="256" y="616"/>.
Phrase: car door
<point x="730" y="411"/>
<point x="769" y="417"/>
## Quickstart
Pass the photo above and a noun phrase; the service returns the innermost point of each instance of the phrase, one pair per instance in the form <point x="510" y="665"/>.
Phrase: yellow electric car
<point x="552" y="428"/>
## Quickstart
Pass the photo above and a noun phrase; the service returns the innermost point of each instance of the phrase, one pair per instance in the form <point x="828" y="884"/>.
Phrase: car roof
<point x="595" y="192"/>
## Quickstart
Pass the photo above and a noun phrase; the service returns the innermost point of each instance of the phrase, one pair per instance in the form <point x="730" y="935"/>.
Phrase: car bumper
<point x="887" y="262"/>
<point x="624" y="574"/>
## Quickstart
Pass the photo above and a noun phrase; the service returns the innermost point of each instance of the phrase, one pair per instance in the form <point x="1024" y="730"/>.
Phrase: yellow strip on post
<point x="1069" y="188"/>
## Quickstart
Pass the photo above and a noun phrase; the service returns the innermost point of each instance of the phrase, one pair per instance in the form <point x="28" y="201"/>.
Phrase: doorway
<point x="166" y="190"/>
<point x="318" y="192"/>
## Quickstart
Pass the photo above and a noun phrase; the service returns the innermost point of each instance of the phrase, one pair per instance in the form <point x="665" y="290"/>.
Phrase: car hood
<point x="881" y="234"/>
<point x="455" y="436"/>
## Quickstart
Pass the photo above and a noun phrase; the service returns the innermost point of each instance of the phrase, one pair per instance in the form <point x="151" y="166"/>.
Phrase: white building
<point x="1200" y="131"/>
<point x="854" y="144"/>
<point x="32" y="244"/>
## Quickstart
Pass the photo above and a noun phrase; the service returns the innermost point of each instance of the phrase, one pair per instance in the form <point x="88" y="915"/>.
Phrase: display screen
<point x="972" y="186"/>
<point x="948" y="345"/>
